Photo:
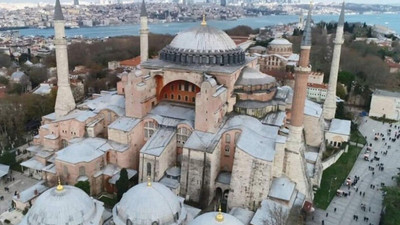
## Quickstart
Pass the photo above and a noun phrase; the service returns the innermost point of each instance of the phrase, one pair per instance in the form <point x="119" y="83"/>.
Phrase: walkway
<point x="347" y="207"/>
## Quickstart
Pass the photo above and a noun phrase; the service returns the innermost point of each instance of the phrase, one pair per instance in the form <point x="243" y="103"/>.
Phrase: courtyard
<point x="367" y="192"/>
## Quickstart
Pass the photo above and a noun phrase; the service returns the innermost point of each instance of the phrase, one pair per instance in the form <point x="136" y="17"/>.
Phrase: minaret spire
<point x="144" y="34"/>
<point x="295" y="166"/>
<point x="330" y="101"/>
<point x="65" y="100"/>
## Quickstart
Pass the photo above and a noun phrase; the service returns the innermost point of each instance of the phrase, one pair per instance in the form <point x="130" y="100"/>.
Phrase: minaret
<point x="330" y="101"/>
<point x="300" y="86"/>
<point x="294" y="165"/>
<point x="144" y="34"/>
<point x="65" y="100"/>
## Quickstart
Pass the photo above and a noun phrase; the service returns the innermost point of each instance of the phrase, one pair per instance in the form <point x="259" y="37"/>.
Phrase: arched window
<point x="193" y="99"/>
<point x="227" y="150"/>
<point x="149" y="169"/>
<point x="82" y="171"/>
<point x="172" y="96"/>
<point x="149" y="128"/>
<point x="65" y="171"/>
<point x="227" y="138"/>
<point x="182" y="135"/>
<point x="186" y="98"/>
<point x="155" y="223"/>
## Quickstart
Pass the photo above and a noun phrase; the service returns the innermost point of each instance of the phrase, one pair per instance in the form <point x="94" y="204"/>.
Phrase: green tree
<point x="5" y="60"/>
<point x="346" y="78"/>
<point x="122" y="184"/>
<point x="340" y="91"/>
<point x="4" y="80"/>
<point x="84" y="185"/>
<point x="391" y="204"/>
<point x="8" y="158"/>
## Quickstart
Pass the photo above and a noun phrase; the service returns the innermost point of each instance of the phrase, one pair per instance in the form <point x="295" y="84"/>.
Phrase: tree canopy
<point x="122" y="183"/>
<point x="84" y="185"/>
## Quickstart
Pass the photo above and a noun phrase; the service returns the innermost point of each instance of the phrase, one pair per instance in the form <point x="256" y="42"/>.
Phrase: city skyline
<point x="392" y="2"/>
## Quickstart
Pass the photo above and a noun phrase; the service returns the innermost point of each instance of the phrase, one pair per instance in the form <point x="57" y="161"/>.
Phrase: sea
<point x="389" y="20"/>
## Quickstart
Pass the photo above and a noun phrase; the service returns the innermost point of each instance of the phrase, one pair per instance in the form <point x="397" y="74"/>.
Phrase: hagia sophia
<point x="198" y="126"/>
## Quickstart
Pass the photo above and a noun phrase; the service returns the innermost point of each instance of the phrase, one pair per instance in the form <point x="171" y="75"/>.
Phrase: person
<point x="322" y="222"/>
<point x="363" y="193"/>
<point x="326" y="214"/>
<point x="334" y="210"/>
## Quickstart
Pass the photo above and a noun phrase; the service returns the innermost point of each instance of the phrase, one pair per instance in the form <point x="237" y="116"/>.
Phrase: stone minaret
<point x="294" y="164"/>
<point x="65" y="100"/>
<point x="144" y="34"/>
<point x="330" y="101"/>
<point x="300" y="86"/>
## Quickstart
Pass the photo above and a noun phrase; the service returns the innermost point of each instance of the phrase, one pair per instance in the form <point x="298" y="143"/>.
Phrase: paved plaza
<point x="350" y="206"/>
<point x="20" y="183"/>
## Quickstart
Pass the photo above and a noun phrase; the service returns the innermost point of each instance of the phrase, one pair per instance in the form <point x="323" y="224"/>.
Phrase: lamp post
<point x="329" y="191"/>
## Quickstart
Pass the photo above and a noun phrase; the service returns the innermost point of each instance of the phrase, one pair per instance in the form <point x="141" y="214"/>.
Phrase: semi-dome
<point x="251" y="76"/>
<point x="216" y="218"/>
<point x="203" y="45"/>
<point x="149" y="204"/>
<point x="64" y="205"/>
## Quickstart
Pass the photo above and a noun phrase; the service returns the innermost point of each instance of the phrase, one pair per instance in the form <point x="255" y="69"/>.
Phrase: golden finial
<point x="148" y="181"/>
<point x="219" y="217"/>
<point x="59" y="186"/>
<point x="204" y="23"/>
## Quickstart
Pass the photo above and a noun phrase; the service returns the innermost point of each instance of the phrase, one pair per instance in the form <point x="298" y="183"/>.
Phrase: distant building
<point x="385" y="104"/>
<point x="21" y="78"/>
<point x="317" y="92"/>
<point x="393" y="66"/>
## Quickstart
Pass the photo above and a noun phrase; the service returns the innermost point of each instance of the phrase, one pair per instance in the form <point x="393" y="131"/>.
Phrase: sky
<point x="396" y="2"/>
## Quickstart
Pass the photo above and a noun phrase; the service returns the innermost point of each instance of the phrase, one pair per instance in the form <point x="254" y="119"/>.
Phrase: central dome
<point x="203" y="39"/>
<point x="203" y="45"/>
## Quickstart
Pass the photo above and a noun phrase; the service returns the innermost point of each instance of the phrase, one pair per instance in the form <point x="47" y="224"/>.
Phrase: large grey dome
<point x="69" y="205"/>
<point x="152" y="204"/>
<point x="203" y="45"/>
<point x="203" y="38"/>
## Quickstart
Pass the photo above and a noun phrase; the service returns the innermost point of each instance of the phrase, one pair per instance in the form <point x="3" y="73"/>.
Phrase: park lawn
<point x="340" y="170"/>
<point x="108" y="202"/>
<point x="357" y="137"/>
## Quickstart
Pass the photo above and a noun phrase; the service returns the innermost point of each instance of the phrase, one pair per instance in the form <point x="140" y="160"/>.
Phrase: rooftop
<point x="158" y="141"/>
<point x="340" y="127"/>
<point x="282" y="188"/>
<point x="124" y="123"/>
<point x="387" y="93"/>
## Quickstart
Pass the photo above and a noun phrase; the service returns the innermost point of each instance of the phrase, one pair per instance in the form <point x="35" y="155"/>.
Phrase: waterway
<point x="390" y="20"/>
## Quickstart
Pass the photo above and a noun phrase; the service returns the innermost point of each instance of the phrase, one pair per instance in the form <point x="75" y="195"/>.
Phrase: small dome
<point x="149" y="204"/>
<point x="213" y="218"/>
<point x="280" y="41"/>
<point x="64" y="205"/>
<point x="203" y="45"/>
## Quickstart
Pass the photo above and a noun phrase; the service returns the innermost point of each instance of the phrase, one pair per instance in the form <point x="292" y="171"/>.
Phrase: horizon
<point x="385" y="2"/>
